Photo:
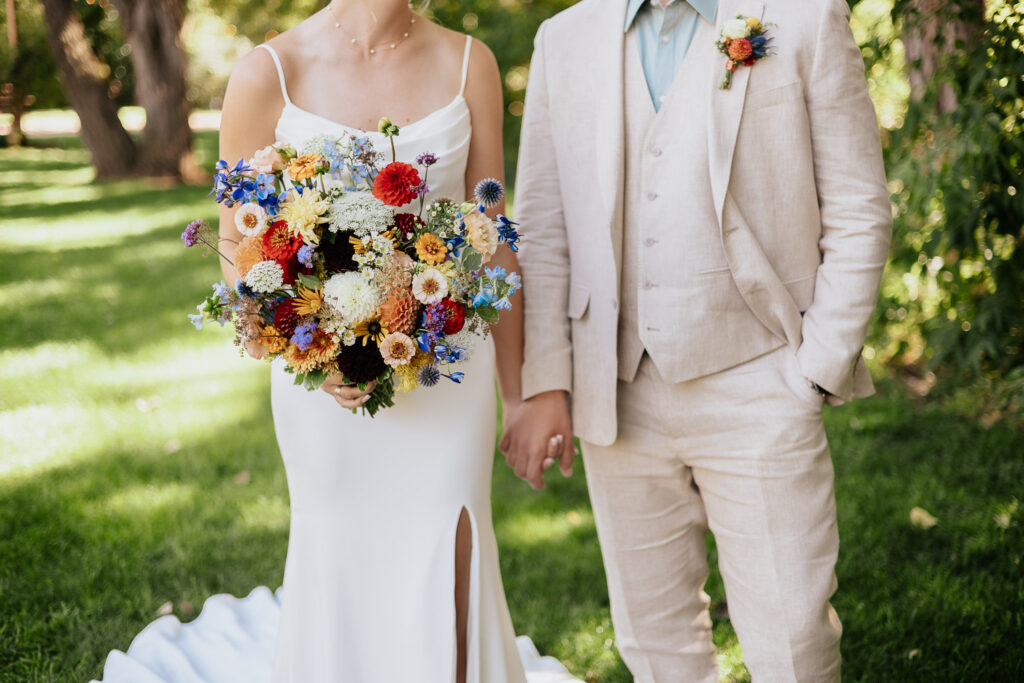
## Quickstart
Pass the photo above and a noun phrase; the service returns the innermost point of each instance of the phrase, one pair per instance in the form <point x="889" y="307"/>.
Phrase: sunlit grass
<point x="138" y="466"/>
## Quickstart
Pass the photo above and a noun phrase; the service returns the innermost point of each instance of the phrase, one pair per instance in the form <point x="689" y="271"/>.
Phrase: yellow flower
<point x="431" y="249"/>
<point x="420" y="359"/>
<point x="370" y="330"/>
<point x="304" y="213"/>
<point x="406" y="377"/>
<point x="306" y="166"/>
<point x="308" y="301"/>
<point x="753" y="23"/>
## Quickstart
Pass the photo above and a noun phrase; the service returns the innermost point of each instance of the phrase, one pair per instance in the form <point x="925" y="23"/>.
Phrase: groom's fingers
<point x="568" y="451"/>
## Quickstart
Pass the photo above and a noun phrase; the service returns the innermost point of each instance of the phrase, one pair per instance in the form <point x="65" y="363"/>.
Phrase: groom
<point x="701" y="268"/>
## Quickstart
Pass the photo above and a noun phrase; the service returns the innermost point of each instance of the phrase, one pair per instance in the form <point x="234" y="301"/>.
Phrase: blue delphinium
<point x="488" y="192"/>
<point x="515" y="282"/>
<point x="456" y="377"/>
<point x="485" y="297"/>
<point x="507" y="233"/>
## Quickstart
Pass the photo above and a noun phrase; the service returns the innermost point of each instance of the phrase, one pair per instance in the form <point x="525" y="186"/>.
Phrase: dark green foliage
<point x="956" y="179"/>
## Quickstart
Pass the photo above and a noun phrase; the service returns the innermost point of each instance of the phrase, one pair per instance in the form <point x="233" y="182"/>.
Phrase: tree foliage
<point x="954" y="298"/>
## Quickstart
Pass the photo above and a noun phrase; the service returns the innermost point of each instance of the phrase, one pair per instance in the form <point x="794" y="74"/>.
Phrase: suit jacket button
<point x="648" y="285"/>
<point x="651" y="196"/>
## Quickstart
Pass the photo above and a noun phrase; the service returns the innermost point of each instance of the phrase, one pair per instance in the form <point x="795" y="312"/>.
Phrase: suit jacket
<point x="793" y="155"/>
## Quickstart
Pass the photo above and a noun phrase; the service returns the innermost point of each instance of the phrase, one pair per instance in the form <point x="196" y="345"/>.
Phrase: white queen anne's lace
<point x="265" y="277"/>
<point x="360" y="213"/>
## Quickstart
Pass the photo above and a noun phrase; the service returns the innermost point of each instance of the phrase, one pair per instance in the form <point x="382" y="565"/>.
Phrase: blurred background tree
<point x="953" y="297"/>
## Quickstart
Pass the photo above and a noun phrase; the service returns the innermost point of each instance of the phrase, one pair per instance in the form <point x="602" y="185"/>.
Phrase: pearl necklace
<point x="373" y="50"/>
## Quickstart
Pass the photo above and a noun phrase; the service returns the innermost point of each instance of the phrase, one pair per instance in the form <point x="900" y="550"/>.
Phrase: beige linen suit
<point x="746" y="262"/>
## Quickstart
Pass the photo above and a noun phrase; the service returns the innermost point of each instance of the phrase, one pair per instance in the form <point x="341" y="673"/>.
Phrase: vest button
<point x="648" y="285"/>
<point x="651" y="196"/>
<point x="656" y="151"/>
<point x="650" y="242"/>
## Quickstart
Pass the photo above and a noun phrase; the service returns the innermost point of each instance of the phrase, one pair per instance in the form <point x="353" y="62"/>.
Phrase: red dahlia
<point x="285" y="318"/>
<point x="279" y="243"/>
<point x="290" y="267"/>
<point x="396" y="184"/>
<point x="406" y="224"/>
<point x="456" y="316"/>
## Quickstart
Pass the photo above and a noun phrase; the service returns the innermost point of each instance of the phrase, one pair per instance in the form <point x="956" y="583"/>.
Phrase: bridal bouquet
<point x="335" y="277"/>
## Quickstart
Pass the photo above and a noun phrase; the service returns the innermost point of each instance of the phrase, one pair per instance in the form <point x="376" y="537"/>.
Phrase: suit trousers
<point x="744" y="453"/>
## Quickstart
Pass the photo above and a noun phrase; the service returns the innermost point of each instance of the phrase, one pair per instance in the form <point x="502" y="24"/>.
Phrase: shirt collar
<point x="706" y="8"/>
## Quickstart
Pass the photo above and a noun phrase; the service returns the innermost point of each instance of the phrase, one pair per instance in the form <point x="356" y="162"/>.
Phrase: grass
<point x="138" y="467"/>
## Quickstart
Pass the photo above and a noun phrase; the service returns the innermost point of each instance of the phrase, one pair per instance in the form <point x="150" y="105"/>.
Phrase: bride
<point x="392" y="569"/>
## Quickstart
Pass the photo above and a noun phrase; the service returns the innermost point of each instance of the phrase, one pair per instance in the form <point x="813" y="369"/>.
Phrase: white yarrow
<point x="265" y="277"/>
<point x="361" y="214"/>
<point x="353" y="296"/>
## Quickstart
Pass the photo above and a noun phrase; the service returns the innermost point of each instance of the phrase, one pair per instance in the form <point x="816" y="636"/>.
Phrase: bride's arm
<point x="486" y="160"/>
<point x="252" y="104"/>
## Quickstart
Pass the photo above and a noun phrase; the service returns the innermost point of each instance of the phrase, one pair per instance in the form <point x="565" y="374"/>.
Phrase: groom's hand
<point x="531" y="437"/>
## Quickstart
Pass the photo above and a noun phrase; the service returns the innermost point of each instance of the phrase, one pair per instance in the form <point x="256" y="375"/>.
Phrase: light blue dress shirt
<point x="663" y="35"/>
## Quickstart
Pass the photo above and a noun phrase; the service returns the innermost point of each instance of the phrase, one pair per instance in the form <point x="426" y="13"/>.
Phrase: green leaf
<point x="489" y="314"/>
<point x="309" y="281"/>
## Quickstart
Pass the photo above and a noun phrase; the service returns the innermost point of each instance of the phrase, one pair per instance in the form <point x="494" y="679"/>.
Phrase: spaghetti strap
<point x="280" y="71"/>
<point x="465" y="65"/>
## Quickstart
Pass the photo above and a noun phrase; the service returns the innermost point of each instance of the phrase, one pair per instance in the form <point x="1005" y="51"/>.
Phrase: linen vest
<point x="679" y="302"/>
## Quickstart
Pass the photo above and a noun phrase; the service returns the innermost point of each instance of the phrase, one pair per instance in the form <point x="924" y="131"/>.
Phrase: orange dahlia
<point x="740" y="49"/>
<point x="248" y="253"/>
<point x="431" y="249"/>
<point x="400" y="311"/>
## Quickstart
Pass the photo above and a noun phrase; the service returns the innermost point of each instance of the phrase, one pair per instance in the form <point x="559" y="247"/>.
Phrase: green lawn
<point x="138" y="467"/>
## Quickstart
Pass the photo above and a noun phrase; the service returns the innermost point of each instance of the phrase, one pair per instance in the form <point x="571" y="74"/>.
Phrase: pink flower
<point x="267" y="160"/>
<point x="397" y="349"/>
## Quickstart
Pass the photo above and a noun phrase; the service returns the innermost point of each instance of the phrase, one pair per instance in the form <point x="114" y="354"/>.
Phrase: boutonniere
<point x="744" y="40"/>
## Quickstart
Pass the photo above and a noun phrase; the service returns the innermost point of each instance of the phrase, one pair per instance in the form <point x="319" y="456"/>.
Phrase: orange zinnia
<point x="305" y="167"/>
<point x="431" y="249"/>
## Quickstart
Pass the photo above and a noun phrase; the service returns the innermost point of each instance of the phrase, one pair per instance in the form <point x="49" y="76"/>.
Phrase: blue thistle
<point x="489" y="192"/>
<point x="429" y="375"/>
<point x="244" y="289"/>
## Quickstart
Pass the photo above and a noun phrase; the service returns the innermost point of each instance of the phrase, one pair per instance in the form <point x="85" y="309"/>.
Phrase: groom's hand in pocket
<point x="532" y="437"/>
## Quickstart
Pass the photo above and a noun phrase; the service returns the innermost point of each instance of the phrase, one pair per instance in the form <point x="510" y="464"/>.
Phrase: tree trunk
<point x="935" y="30"/>
<point x="153" y="32"/>
<point x="11" y="91"/>
<point x="85" y="81"/>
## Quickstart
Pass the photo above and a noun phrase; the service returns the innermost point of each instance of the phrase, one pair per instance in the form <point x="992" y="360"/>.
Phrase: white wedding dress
<point x="369" y="581"/>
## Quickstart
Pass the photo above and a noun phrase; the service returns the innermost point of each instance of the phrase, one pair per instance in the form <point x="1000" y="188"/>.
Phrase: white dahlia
<point x="353" y="296"/>
<point x="361" y="214"/>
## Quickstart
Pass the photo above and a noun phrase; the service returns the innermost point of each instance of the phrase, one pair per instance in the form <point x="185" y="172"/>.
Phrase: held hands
<point x="538" y="432"/>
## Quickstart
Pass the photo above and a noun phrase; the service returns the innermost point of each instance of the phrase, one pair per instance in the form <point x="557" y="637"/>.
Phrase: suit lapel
<point x="725" y="107"/>
<point x="609" y="107"/>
